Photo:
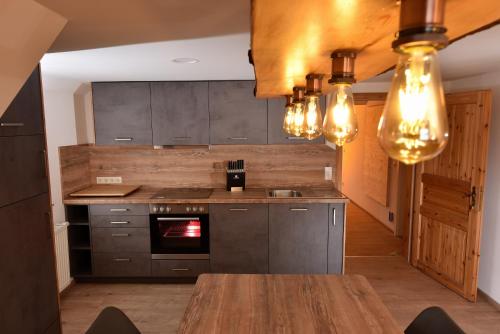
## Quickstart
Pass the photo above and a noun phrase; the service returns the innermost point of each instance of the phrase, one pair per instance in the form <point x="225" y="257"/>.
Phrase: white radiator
<point x="62" y="255"/>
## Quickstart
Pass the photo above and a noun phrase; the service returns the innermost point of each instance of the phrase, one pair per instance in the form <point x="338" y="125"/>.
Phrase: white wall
<point x="489" y="267"/>
<point x="60" y="124"/>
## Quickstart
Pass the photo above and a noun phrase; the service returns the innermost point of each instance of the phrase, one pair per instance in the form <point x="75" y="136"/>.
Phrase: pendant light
<point x="341" y="124"/>
<point x="289" y="115"/>
<point x="312" y="126"/>
<point x="414" y="125"/>
<point x="298" y="110"/>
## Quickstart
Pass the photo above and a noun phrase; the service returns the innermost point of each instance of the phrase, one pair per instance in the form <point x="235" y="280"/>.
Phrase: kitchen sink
<point x="284" y="193"/>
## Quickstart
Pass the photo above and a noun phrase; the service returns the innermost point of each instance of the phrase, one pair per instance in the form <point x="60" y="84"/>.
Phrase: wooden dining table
<point x="227" y="303"/>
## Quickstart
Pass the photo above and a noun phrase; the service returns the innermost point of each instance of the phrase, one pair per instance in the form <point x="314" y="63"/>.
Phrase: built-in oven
<point x="179" y="231"/>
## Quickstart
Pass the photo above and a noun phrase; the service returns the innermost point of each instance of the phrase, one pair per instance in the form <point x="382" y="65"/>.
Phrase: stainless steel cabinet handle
<point x="334" y="218"/>
<point x="123" y="139"/>
<point x="121" y="260"/>
<point x="119" y="223"/>
<point x="120" y="235"/>
<point x="182" y="138"/>
<point x="299" y="209"/>
<point x="180" y="269"/>
<point x="169" y="219"/>
<point x="118" y="210"/>
<point x="295" y="138"/>
<point x="238" y="138"/>
<point x="238" y="209"/>
<point x="11" y="124"/>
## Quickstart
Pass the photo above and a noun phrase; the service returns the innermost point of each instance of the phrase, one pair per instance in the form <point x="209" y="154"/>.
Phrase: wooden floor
<point x="372" y="251"/>
<point x="368" y="237"/>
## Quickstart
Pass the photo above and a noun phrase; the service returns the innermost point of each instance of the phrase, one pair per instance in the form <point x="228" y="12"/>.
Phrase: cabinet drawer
<point x="122" y="264"/>
<point x="119" y="209"/>
<point x="120" y="240"/>
<point x="120" y="221"/>
<point x="180" y="268"/>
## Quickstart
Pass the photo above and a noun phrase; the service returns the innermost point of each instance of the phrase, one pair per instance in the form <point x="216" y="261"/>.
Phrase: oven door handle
<point x="169" y="219"/>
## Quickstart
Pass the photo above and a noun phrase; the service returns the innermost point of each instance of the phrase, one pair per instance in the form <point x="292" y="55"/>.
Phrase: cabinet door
<point x="275" y="133"/>
<point x="236" y="115"/>
<point x="298" y="238"/>
<point x="239" y="238"/>
<point x="28" y="283"/>
<point x="24" y="114"/>
<point x="336" y="238"/>
<point x="23" y="172"/>
<point x="122" y="113"/>
<point x="180" y="113"/>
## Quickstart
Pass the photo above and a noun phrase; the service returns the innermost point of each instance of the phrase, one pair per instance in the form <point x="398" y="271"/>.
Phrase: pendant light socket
<point x="343" y="67"/>
<point x="313" y="84"/>
<point x="298" y="94"/>
<point x="289" y="101"/>
<point x="421" y="22"/>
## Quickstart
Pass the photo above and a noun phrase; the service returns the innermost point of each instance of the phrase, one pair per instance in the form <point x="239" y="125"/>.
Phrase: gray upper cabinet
<point x="275" y="133"/>
<point x="23" y="116"/>
<point x="239" y="238"/>
<point x="336" y="238"/>
<point x="122" y="113"/>
<point x="298" y="238"/>
<point x="236" y="116"/>
<point x="180" y="113"/>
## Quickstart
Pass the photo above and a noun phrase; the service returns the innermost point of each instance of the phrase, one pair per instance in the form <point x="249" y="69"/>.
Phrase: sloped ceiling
<point x="103" y="23"/>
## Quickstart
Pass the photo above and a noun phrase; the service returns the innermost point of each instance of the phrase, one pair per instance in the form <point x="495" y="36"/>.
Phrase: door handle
<point x="299" y="209"/>
<point x="170" y="219"/>
<point x="180" y="269"/>
<point x="11" y="124"/>
<point x="119" y="223"/>
<point x="238" y="209"/>
<point x="182" y="138"/>
<point x="118" y="210"/>
<point x="295" y="138"/>
<point x="123" y="139"/>
<point x="472" y="195"/>
<point x="120" y="235"/>
<point x="238" y="138"/>
<point x="334" y="218"/>
<point x="121" y="260"/>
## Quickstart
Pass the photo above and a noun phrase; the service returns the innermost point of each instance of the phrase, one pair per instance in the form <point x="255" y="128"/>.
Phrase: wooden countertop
<point x="252" y="195"/>
<point x="223" y="303"/>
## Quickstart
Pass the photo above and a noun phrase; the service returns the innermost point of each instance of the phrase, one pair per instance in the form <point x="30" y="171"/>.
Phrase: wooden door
<point x="180" y="113"/>
<point x="275" y="133"/>
<point x="298" y="238"/>
<point x="236" y="115"/>
<point x="449" y="197"/>
<point x="239" y="238"/>
<point x="122" y="113"/>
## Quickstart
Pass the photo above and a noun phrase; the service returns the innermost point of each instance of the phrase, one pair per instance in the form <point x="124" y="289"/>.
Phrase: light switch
<point x="328" y="173"/>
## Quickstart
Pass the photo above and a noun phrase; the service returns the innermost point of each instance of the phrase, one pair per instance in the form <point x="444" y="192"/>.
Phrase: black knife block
<point x="235" y="181"/>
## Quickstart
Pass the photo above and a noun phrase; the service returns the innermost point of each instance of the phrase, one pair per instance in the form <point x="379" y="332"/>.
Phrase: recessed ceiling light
<point x="186" y="60"/>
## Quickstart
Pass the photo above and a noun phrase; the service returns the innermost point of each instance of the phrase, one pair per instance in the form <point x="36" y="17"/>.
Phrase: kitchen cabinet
<point x="275" y="133"/>
<point x="28" y="285"/>
<point x="180" y="113"/>
<point x="23" y="171"/>
<point x="19" y="118"/>
<point x="122" y="113"/>
<point x="236" y="116"/>
<point x="179" y="268"/>
<point x="239" y="238"/>
<point x="336" y="230"/>
<point x="122" y="264"/>
<point x="298" y="238"/>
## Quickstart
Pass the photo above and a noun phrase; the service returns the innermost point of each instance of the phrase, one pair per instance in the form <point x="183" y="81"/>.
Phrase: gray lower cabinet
<point x="275" y="133"/>
<point x="28" y="283"/>
<point x="122" y="113"/>
<point x="23" y="116"/>
<point x="180" y="113"/>
<point x="23" y="171"/>
<point x="117" y="239"/>
<point x="120" y="209"/>
<point x="122" y="264"/>
<point x="298" y="238"/>
<point x="179" y="268"/>
<point x="236" y="116"/>
<point x="336" y="230"/>
<point x="239" y="238"/>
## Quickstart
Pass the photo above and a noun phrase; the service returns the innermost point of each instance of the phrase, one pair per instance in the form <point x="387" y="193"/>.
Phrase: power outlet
<point x="328" y="173"/>
<point x="109" y="179"/>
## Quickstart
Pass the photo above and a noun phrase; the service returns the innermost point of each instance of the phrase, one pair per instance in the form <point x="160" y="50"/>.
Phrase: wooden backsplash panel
<point x="75" y="168"/>
<point x="267" y="165"/>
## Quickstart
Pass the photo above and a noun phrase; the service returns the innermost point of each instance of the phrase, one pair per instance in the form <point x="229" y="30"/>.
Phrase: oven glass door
<point x="179" y="234"/>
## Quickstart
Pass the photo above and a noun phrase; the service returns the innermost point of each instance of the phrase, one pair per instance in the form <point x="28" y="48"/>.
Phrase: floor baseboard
<point x="490" y="300"/>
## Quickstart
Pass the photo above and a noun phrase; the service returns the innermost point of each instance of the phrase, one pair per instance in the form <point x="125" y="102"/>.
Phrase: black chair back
<point x="433" y="320"/>
<point x="112" y="321"/>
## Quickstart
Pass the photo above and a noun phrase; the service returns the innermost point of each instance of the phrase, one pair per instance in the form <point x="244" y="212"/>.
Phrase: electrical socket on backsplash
<point x="109" y="179"/>
<point x="328" y="173"/>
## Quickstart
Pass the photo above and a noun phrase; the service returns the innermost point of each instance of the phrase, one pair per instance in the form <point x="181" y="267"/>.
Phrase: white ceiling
<point x="225" y="57"/>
